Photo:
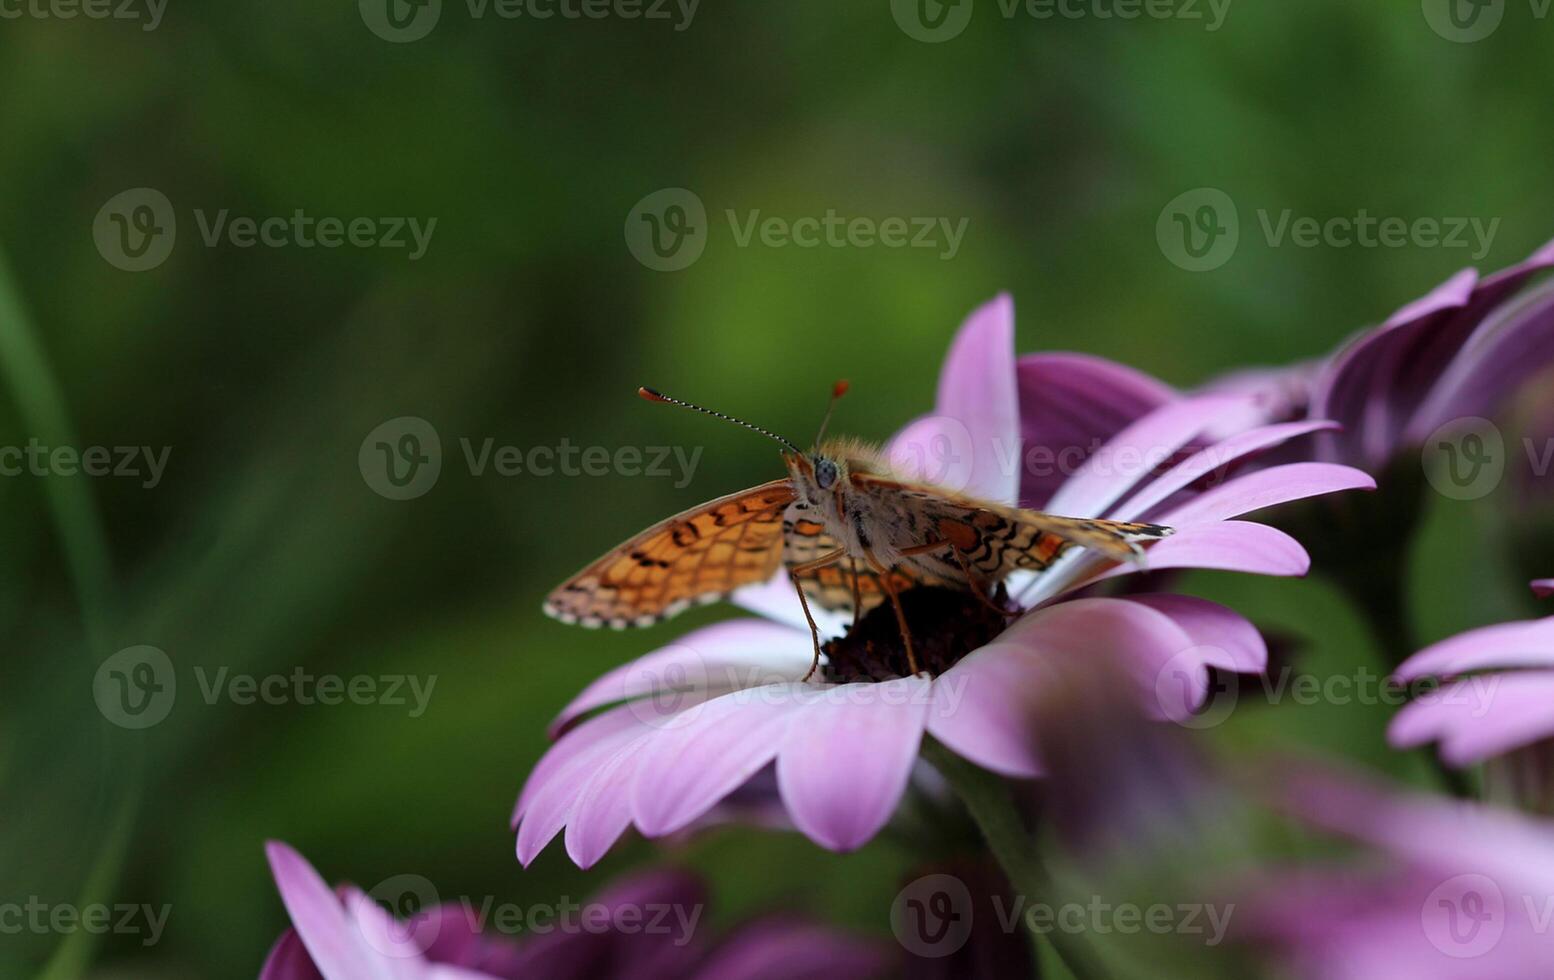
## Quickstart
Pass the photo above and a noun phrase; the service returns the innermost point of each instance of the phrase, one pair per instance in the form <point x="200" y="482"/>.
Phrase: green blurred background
<point x="528" y="320"/>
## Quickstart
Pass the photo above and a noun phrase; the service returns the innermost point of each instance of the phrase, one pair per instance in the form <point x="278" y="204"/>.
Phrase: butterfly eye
<point x="825" y="473"/>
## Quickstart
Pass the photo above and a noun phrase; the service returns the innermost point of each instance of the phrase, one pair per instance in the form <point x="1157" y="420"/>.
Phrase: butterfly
<point x="849" y="528"/>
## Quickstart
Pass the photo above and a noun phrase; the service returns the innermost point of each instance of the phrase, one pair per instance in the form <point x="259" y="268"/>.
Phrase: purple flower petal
<point x="1479" y="717"/>
<point x="1375" y="385"/>
<point x="289" y="960"/>
<point x="1267" y="488"/>
<point x="1215" y="628"/>
<point x="1216" y="457"/>
<point x="977" y="387"/>
<point x="1133" y="454"/>
<point x="335" y="946"/>
<point x="1523" y="644"/>
<point x="682" y="772"/>
<point x="1232" y="546"/>
<point x="1510" y="346"/>
<point x="605" y="726"/>
<point x="724" y="656"/>
<point x="847" y="756"/>
<point x="1543" y="587"/>
<point x="1070" y="404"/>
<point x="783" y="950"/>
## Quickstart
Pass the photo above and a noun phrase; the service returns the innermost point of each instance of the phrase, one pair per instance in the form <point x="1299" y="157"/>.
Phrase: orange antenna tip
<point x="839" y="389"/>
<point x="648" y="394"/>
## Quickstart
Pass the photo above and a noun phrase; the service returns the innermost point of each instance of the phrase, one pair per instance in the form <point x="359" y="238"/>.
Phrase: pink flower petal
<point x="1215" y="457"/>
<point x="604" y="726"/>
<point x="1071" y="403"/>
<point x="721" y="657"/>
<point x="601" y="813"/>
<point x="1543" y="587"/>
<point x="1133" y="454"/>
<point x="1233" y="546"/>
<point x="337" y="949"/>
<point x="551" y="797"/>
<point x="1479" y="717"/>
<point x="845" y="762"/>
<point x="1523" y="644"/>
<point x="684" y="771"/>
<point x="1448" y="835"/>
<point x="1267" y="488"/>
<point x="977" y="387"/>
<point x="1216" y="629"/>
<point x="985" y="709"/>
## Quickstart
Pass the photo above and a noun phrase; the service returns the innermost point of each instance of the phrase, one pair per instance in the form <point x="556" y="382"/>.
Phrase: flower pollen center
<point x="946" y="624"/>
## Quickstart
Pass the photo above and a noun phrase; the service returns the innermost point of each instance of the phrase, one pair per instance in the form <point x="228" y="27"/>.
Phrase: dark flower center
<point x="946" y="624"/>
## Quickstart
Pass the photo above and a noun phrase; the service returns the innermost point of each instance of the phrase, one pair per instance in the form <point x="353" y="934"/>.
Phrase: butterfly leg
<point x="814" y="631"/>
<point x="895" y="601"/>
<point x="973" y="582"/>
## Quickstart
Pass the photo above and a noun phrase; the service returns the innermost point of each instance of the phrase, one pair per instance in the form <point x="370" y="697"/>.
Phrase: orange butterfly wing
<point x="698" y="556"/>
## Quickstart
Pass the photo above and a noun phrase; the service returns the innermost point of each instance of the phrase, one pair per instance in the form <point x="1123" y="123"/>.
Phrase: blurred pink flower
<point x="1468" y="892"/>
<point x="345" y="935"/>
<point x="696" y="720"/>
<point x="1498" y="694"/>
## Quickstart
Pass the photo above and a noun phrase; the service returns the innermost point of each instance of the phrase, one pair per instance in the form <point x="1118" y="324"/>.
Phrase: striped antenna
<point x="655" y="396"/>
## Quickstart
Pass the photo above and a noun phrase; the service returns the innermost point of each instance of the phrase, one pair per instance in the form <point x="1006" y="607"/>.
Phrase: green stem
<point x="988" y="801"/>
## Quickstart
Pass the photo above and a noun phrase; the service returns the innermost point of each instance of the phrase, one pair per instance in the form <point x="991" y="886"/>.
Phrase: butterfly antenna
<point x="655" y="396"/>
<point x="837" y="391"/>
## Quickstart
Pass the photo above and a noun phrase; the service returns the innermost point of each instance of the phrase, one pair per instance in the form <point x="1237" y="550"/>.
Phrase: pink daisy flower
<point x="1466" y="892"/>
<point x="342" y="934"/>
<point x="1497" y="696"/>
<point x="680" y="729"/>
